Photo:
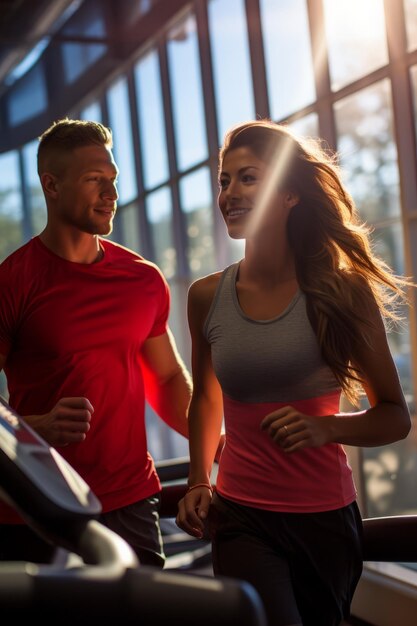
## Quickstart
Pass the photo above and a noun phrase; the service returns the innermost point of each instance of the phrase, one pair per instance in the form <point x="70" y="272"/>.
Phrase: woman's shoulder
<point x="203" y="289"/>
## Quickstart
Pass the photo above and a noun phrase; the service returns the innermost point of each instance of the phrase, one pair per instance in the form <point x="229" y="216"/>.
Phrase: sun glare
<point x="272" y="183"/>
<point x="356" y="38"/>
<point x="365" y="21"/>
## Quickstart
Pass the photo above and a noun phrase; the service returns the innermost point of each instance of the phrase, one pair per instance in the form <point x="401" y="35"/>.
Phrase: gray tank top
<point x="276" y="360"/>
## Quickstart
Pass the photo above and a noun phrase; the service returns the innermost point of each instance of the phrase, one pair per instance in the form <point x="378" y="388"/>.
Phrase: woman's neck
<point x="266" y="265"/>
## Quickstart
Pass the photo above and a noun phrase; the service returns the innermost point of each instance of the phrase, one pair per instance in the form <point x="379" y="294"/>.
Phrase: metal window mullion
<point x="180" y="238"/>
<point x="145" y="237"/>
<point x="211" y="122"/>
<point x="117" y="230"/>
<point x="257" y="58"/>
<point x="327" y="126"/>
<point x="404" y="129"/>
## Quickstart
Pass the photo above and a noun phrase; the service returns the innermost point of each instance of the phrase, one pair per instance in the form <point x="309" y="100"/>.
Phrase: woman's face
<point x="249" y="198"/>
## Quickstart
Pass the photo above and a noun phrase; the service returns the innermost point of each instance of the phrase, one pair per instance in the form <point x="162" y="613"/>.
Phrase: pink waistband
<point x="256" y="472"/>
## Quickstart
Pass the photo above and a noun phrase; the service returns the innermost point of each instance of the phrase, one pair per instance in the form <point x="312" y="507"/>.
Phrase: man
<point x="84" y="339"/>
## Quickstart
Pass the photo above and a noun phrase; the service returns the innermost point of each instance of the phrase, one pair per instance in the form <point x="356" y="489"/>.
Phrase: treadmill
<point x="94" y="574"/>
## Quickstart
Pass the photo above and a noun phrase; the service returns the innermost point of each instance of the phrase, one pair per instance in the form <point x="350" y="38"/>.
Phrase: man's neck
<point x="83" y="248"/>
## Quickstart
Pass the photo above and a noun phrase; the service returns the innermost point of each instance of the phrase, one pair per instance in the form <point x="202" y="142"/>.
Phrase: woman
<point x="276" y="338"/>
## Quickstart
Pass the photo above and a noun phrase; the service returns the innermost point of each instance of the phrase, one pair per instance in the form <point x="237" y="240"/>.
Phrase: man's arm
<point x="168" y="385"/>
<point x="68" y="421"/>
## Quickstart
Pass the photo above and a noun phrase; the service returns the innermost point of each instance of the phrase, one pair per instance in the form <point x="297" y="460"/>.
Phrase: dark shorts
<point x="138" y="524"/>
<point x="304" y="566"/>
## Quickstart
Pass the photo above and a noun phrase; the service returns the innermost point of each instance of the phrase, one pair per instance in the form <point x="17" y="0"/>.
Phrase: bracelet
<point x="200" y="485"/>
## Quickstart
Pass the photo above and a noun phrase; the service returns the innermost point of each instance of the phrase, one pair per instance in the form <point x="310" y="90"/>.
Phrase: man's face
<point x="86" y="192"/>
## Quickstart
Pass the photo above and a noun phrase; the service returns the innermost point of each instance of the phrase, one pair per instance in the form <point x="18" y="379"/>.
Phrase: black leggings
<point x="305" y="566"/>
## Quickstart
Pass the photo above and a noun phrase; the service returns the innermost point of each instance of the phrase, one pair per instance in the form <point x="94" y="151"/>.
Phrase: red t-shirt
<point x="70" y="329"/>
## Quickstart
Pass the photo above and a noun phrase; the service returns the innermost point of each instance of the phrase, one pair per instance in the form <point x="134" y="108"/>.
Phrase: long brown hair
<point x="335" y="264"/>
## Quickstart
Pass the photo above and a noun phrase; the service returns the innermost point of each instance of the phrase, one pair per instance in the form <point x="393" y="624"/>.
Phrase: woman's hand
<point x="293" y="430"/>
<point x="193" y="510"/>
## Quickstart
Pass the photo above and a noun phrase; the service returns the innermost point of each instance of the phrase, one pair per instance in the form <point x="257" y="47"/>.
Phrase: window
<point x="128" y="222"/>
<point x="11" y="216"/>
<point x="231" y="63"/>
<point x="159" y="212"/>
<point x="79" y="57"/>
<point x="368" y="152"/>
<point x="410" y="10"/>
<point x="31" y="88"/>
<point x="119" y="115"/>
<point x="369" y="158"/>
<point x="307" y="126"/>
<point x="92" y="112"/>
<point x="151" y="120"/>
<point x="356" y="37"/>
<point x="196" y="203"/>
<point x="187" y="97"/>
<point x="287" y="55"/>
<point x="413" y="75"/>
<point x="36" y="198"/>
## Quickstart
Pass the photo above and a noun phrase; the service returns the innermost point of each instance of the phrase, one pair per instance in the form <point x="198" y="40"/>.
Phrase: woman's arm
<point x="205" y="414"/>
<point x="388" y="418"/>
<point x="386" y="421"/>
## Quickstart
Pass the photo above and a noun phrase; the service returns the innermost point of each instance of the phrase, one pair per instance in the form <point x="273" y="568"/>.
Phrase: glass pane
<point x="307" y="126"/>
<point x="164" y="442"/>
<point x="35" y="193"/>
<point x="389" y="245"/>
<point x="413" y="76"/>
<point x="287" y="55"/>
<point x="390" y="472"/>
<point x="229" y="45"/>
<point x="119" y="116"/>
<point x="356" y="39"/>
<point x="368" y="151"/>
<point x="129" y="12"/>
<point x="10" y="204"/>
<point x="410" y="11"/>
<point x="196" y="203"/>
<point x="3" y="382"/>
<point x="390" y="477"/>
<point x="187" y="97"/>
<point x="128" y="218"/>
<point x="92" y="112"/>
<point x="78" y="57"/>
<point x="159" y="212"/>
<point x="31" y="89"/>
<point x="151" y="121"/>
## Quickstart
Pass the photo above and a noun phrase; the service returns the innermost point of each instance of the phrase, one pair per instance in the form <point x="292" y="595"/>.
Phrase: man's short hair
<point x="66" y="135"/>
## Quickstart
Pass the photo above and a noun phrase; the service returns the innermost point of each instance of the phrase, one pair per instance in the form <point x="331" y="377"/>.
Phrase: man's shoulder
<point x="116" y="252"/>
<point x="19" y="257"/>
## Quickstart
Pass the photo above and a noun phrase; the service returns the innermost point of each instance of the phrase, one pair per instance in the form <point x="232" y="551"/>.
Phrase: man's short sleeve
<point x="164" y="304"/>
